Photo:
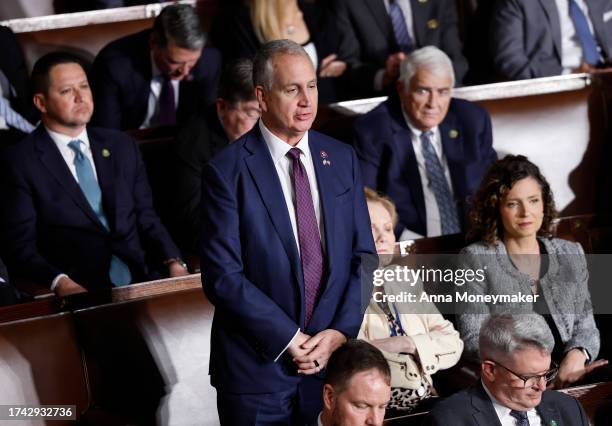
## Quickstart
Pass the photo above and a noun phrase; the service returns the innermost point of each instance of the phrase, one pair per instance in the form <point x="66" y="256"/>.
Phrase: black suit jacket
<point x="388" y="162"/>
<point x="121" y="82"/>
<point x="13" y="66"/>
<point x="8" y="295"/>
<point x="473" y="407"/>
<point x="49" y="227"/>
<point x="367" y="39"/>
<point x="197" y="143"/>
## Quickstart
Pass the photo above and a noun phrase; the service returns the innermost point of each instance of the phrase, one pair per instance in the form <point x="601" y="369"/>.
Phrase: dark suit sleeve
<point x="488" y="154"/>
<point x="156" y="240"/>
<point x="349" y="317"/>
<point x="241" y="41"/>
<point x="360" y="74"/>
<point x="450" y="41"/>
<point x="367" y="153"/>
<point x="19" y="221"/>
<point x="107" y="94"/>
<point x="223" y="278"/>
<point x="510" y="59"/>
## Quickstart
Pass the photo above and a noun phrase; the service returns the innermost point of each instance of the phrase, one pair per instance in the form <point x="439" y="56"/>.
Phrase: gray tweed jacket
<point x="564" y="287"/>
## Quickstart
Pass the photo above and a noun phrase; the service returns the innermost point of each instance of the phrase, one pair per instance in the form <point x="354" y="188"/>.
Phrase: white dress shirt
<point x="571" y="49"/>
<point x="283" y="165"/>
<point x="62" y="141"/>
<point x="503" y="412"/>
<point x="432" y="213"/>
<point x="157" y="80"/>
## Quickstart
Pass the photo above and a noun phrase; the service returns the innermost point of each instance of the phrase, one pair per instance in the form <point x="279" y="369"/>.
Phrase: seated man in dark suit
<point x="516" y="367"/>
<point x="235" y="113"/>
<point x="543" y="38"/>
<point x="78" y="210"/>
<point x="424" y="149"/>
<point x="156" y="77"/>
<point x="17" y="114"/>
<point x="357" y="386"/>
<point x="376" y="35"/>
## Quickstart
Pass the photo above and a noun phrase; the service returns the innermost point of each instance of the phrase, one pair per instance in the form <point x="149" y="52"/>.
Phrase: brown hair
<point x="372" y="196"/>
<point x="486" y="224"/>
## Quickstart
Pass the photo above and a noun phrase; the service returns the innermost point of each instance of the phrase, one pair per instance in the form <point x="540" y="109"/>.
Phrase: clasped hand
<point x="311" y="354"/>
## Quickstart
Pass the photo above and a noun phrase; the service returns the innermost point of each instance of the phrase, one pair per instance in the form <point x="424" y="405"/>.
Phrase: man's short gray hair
<point x="429" y="58"/>
<point x="181" y="24"/>
<point x="501" y="335"/>
<point x="263" y="71"/>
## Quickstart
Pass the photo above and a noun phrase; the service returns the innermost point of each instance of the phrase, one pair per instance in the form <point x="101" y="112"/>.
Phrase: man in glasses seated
<point x="516" y="367"/>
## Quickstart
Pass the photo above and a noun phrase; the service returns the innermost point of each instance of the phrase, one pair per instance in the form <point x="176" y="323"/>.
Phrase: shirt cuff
<point x="288" y="344"/>
<point x="378" y="80"/>
<point x="56" y="280"/>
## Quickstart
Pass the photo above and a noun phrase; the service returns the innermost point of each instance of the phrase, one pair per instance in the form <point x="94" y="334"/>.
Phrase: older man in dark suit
<point x="550" y="37"/>
<point x="78" y="210"/>
<point x="285" y="231"/>
<point x="516" y="368"/>
<point x="424" y="149"/>
<point x="376" y="35"/>
<point x="156" y="77"/>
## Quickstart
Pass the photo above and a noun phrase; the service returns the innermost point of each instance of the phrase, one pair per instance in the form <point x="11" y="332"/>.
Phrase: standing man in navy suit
<point x="424" y="149"/>
<point x="156" y="77"/>
<point x="78" y="212"/>
<point x="284" y="229"/>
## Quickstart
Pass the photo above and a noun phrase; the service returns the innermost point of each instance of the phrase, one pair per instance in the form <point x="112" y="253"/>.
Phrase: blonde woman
<point x="244" y="25"/>
<point x="416" y="345"/>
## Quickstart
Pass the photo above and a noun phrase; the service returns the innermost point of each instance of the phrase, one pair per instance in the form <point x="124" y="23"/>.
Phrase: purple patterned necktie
<point x="311" y="252"/>
<point x="167" y="107"/>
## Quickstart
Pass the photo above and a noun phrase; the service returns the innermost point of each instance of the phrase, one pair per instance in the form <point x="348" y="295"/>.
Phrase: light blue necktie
<point x="587" y="40"/>
<point x="521" y="417"/>
<point x="119" y="272"/>
<point x="398" y="22"/>
<point x="437" y="181"/>
<point x="13" y="118"/>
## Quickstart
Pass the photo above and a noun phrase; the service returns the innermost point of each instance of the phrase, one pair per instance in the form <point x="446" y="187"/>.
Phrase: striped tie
<point x="587" y="40"/>
<point x="398" y="22"/>
<point x="439" y="185"/>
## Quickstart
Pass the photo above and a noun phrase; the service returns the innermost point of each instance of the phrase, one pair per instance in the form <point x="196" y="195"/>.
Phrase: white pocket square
<point x="607" y="16"/>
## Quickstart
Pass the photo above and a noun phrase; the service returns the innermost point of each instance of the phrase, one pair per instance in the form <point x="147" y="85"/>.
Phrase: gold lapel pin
<point x="453" y="133"/>
<point x="432" y="24"/>
<point x="105" y="153"/>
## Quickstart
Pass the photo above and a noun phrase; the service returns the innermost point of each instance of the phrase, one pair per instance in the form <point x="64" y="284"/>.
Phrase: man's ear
<point x="329" y="397"/>
<point x="40" y="102"/>
<point x="260" y="94"/>
<point x="488" y="370"/>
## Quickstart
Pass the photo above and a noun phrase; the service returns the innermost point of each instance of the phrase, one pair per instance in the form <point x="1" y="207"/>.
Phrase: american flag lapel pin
<point x="324" y="156"/>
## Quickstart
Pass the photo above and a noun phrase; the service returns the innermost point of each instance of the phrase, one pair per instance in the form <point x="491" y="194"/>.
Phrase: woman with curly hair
<point x="511" y="230"/>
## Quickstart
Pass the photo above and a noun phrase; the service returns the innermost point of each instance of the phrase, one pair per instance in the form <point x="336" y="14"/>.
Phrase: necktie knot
<point x="294" y="153"/>
<point x="75" y="145"/>
<point x="426" y="136"/>
<point x="521" y="417"/>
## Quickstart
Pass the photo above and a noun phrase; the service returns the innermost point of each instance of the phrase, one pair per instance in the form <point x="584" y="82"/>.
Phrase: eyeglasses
<point x="531" y="381"/>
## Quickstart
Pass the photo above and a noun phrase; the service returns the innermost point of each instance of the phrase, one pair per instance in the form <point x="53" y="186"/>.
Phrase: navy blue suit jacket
<point x="388" y="163"/>
<point x="473" y="407"/>
<point x="251" y="267"/>
<point x="121" y="83"/>
<point x="50" y="228"/>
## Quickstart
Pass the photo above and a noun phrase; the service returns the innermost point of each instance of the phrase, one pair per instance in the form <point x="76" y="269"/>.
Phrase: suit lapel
<point x="327" y="194"/>
<point x="377" y="8"/>
<point x="549" y="413"/>
<point x="484" y="414"/>
<point x="452" y="145"/>
<point x="408" y="167"/>
<point x="596" y="12"/>
<point x="264" y="175"/>
<point x="103" y="158"/>
<point x="552" y="13"/>
<point x="420" y="14"/>
<point x="54" y="163"/>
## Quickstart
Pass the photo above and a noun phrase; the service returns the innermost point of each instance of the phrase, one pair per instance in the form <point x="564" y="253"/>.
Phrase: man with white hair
<point x="424" y="149"/>
<point x="516" y="367"/>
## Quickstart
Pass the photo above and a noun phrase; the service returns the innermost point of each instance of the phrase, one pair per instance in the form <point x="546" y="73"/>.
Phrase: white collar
<point x="501" y="410"/>
<point x="415" y="131"/>
<point x="62" y="139"/>
<point x="278" y="147"/>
